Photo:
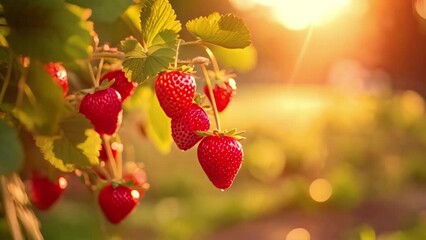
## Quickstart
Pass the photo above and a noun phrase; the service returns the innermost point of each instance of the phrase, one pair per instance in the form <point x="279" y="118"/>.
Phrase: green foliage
<point x="159" y="33"/>
<point x="104" y="10"/>
<point x="76" y="147"/>
<point x="226" y="31"/>
<point x="11" y="151"/>
<point x="241" y="60"/>
<point x="43" y="106"/>
<point x="47" y="30"/>
<point x="157" y="16"/>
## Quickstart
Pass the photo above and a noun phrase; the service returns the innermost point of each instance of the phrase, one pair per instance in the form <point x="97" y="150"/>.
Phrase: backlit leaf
<point x="77" y="146"/>
<point x="226" y="31"/>
<point x="104" y="10"/>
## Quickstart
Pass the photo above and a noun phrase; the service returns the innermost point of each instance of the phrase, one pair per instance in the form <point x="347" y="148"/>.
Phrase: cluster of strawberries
<point x="219" y="153"/>
<point x="103" y="108"/>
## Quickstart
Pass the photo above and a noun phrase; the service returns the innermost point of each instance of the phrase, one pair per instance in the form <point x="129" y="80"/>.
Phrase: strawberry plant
<point x="64" y="93"/>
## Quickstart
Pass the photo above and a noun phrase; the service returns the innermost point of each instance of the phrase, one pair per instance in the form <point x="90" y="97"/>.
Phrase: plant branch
<point x="111" y="161"/>
<point x="98" y="74"/>
<point x="10" y="209"/>
<point x="212" y="99"/>
<point x="91" y="73"/>
<point x="7" y="78"/>
<point x="177" y="53"/>
<point x="212" y="59"/>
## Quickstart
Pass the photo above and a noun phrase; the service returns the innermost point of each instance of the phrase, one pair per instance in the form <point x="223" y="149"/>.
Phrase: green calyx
<point x="233" y="133"/>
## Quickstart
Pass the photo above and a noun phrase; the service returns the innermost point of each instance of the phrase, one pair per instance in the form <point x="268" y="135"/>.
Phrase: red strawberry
<point x="222" y="94"/>
<point x="44" y="193"/>
<point x="58" y="72"/>
<point x="117" y="202"/>
<point x="104" y="110"/>
<point x="121" y="84"/>
<point x="184" y="128"/>
<point x="175" y="91"/>
<point x="221" y="158"/>
<point x="139" y="179"/>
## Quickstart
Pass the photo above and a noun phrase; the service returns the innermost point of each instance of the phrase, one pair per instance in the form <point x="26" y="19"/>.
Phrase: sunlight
<point x="298" y="15"/>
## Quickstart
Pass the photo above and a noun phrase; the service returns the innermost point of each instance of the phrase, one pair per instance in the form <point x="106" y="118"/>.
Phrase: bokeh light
<point x="420" y="7"/>
<point x="298" y="234"/>
<point x="320" y="190"/>
<point x="62" y="182"/>
<point x="135" y="194"/>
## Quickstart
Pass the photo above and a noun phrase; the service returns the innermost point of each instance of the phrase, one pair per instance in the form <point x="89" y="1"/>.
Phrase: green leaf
<point x="11" y="150"/>
<point x="226" y="31"/>
<point x="104" y="10"/>
<point x="242" y="60"/>
<point x="157" y="125"/>
<point x="43" y="105"/>
<point x="156" y="17"/>
<point x="140" y="64"/>
<point x="77" y="146"/>
<point x="47" y="30"/>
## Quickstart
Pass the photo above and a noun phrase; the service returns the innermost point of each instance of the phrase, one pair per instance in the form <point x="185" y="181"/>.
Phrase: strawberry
<point x="222" y="94"/>
<point x="117" y="202"/>
<point x="221" y="158"/>
<point x="184" y="128"/>
<point x="175" y="91"/>
<point x="44" y="193"/>
<point x="58" y="72"/>
<point x="104" y="110"/>
<point x="121" y="84"/>
<point x="139" y="179"/>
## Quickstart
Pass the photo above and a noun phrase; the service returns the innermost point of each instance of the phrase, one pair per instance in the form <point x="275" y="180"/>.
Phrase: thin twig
<point x="212" y="99"/>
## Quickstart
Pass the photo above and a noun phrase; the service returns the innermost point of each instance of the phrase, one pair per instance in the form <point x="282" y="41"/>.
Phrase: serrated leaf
<point x="11" y="150"/>
<point x="47" y="30"/>
<point x="77" y="146"/>
<point x="43" y="105"/>
<point x="104" y="10"/>
<point x="140" y="64"/>
<point x="157" y="127"/>
<point x="156" y="17"/>
<point x="226" y="31"/>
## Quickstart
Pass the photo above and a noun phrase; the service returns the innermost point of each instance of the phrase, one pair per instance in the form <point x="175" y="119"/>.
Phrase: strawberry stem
<point x="212" y="99"/>
<point x="98" y="74"/>
<point x="10" y="209"/>
<point x="92" y="73"/>
<point x="111" y="161"/>
<point x="212" y="59"/>
<point x="7" y="78"/>
<point x="177" y="53"/>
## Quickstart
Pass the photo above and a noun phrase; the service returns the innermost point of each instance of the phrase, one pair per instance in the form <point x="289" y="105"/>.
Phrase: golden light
<point x="62" y="183"/>
<point x="298" y="15"/>
<point x="420" y="7"/>
<point x="135" y="194"/>
<point x="298" y="234"/>
<point x="320" y="190"/>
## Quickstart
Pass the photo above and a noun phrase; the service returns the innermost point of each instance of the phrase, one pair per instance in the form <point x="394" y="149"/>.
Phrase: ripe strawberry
<point x="139" y="178"/>
<point x="175" y="91"/>
<point x="58" y="72"/>
<point x="221" y="158"/>
<point x="184" y="128"/>
<point x="44" y="193"/>
<point x="222" y="95"/>
<point x="117" y="202"/>
<point x="121" y="84"/>
<point x="104" y="110"/>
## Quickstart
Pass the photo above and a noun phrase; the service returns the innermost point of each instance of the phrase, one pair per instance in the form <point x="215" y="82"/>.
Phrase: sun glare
<point x="299" y="15"/>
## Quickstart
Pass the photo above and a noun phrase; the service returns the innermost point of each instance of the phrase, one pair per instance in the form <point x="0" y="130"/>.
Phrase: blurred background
<point x="331" y="95"/>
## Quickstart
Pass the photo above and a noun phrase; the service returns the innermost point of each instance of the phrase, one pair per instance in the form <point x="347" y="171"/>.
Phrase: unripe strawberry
<point x="121" y="84"/>
<point x="117" y="202"/>
<point x="44" y="193"/>
<point x="175" y="91"/>
<point x="185" y="127"/>
<point x="58" y="72"/>
<point x="221" y="158"/>
<point x="139" y="179"/>
<point x="104" y="110"/>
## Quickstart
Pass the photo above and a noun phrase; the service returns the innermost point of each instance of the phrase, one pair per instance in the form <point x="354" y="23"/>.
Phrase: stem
<point x="190" y="43"/>
<point x="92" y="74"/>
<point x="104" y="172"/>
<point x="212" y="59"/>
<point x="117" y="55"/>
<point x="98" y="74"/>
<point x="12" y="219"/>
<point x="7" y="78"/>
<point x="111" y="161"/>
<point x="212" y="99"/>
<point x="177" y="53"/>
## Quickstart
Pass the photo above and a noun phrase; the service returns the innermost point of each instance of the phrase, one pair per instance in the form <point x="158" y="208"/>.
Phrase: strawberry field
<point x="226" y="120"/>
